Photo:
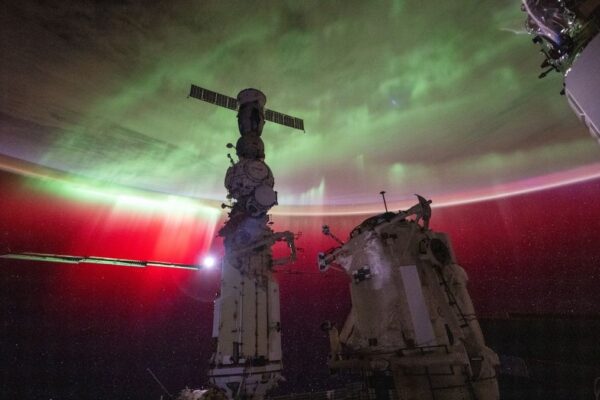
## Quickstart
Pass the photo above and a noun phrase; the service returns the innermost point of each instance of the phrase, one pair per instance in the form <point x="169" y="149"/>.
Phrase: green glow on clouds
<point x="406" y="96"/>
<point x="123" y="198"/>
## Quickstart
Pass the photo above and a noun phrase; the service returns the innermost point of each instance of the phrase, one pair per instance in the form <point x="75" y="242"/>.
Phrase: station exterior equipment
<point x="412" y="330"/>
<point x="568" y="32"/>
<point x="247" y="360"/>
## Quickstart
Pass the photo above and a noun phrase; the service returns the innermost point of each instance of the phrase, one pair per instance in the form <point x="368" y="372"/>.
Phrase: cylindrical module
<point x="412" y="328"/>
<point x="247" y="360"/>
<point x="247" y="327"/>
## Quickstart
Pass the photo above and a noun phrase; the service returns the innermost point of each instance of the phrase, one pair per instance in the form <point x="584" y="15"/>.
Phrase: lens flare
<point x="209" y="262"/>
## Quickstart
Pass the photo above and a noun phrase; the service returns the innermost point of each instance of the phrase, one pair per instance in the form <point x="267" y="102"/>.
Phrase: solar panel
<point x="229" y="102"/>
<point x="213" y="97"/>
<point x="284" y="119"/>
<point x="59" y="258"/>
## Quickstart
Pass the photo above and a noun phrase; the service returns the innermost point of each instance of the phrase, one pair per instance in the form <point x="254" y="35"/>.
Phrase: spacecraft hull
<point x="247" y="327"/>
<point x="247" y="361"/>
<point x="412" y="329"/>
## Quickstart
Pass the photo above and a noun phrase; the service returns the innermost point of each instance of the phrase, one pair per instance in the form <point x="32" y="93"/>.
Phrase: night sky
<point x="102" y="153"/>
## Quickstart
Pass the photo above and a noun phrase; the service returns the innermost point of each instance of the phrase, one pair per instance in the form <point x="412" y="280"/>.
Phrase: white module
<point x="247" y="361"/>
<point x="412" y="328"/>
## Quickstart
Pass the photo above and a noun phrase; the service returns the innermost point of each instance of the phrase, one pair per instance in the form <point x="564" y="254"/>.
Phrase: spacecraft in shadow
<point x="247" y="361"/>
<point x="569" y="35"/>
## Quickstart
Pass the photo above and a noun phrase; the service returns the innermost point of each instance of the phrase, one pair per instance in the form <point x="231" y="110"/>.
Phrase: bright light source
<point x="209" y="262"/>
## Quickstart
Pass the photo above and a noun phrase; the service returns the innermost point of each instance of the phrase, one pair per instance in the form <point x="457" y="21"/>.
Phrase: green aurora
<point x="435" y="98"/>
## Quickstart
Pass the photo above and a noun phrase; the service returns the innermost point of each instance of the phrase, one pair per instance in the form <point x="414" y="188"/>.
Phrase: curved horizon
<point x="106" y="190"/>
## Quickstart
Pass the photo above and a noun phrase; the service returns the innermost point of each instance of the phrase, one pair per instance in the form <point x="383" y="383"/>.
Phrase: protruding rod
<point x="327" y="232"/>
<point x="382" y="193"/>
<point x="159" y="383"/>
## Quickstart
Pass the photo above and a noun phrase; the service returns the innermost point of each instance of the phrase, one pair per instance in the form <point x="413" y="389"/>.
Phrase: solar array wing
<point x="284" y="119"/>
<point x="95" y="260"/>
<point x="213" y="97"/>
<point x="229" y="102"/>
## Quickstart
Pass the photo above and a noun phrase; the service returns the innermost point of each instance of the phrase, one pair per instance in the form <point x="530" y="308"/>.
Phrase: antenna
<point x="382" y="193"/>
<point x="327" y="232"/>
<point x="159" y="383"/>
<point x="222" y="100"/>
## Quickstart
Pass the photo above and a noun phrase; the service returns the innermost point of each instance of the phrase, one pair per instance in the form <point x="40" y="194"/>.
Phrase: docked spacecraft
<point x="247" y="360"/>
<point x="568" y="32"/>
<point x="412" y="330"/>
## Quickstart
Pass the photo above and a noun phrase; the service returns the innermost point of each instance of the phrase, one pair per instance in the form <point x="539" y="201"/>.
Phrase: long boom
<point x="68" y="259"/>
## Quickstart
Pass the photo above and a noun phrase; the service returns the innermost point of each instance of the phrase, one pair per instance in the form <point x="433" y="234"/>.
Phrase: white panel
<point x="274" y="318"/>
<point x="262" y="321"/>
<point x="229" y="310"/>
<point x="216" y="317"/>
<point x="249" y="318"/>
<point x="419" y="313"/>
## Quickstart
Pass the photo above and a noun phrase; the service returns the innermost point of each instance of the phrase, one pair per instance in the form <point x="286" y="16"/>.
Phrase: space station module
<point x="247" y="360"/>
<point x="412" y="329"/>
